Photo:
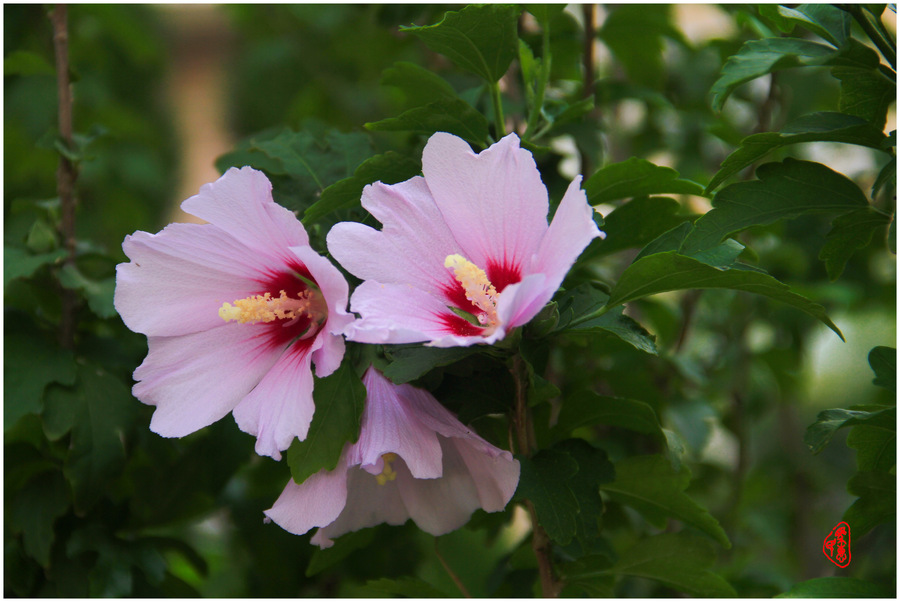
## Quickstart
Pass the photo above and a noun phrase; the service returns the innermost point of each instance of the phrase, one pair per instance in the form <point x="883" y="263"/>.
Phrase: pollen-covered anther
<point x="477" y="287"/>
<point x="387" y="473"/>
<point x="264" y="308"/>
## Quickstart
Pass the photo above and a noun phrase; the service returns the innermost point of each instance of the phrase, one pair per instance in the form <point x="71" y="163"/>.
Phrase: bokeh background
<point x="160" y="92"/>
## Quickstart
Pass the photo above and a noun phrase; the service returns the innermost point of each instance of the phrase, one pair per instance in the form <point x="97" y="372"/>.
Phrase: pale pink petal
<point x="388" y="426"/>
<point x="412" y="244"/>
<point x="494" y="472"/>
<point x="368" y="504"/>
<point x="397" y="313"/>
<point x="330" y="351"/>
<point x="281" y="406"/>
<point x="196" y="379"/>
<point x="240" y="203"/>
<point x="572" y="229"/>
<point x="177" y="279"/>
<point x="522" y="301"/>
<point x="314" y="503"/>
<point x="494" y="203"/>
<point x="439" y="506"/>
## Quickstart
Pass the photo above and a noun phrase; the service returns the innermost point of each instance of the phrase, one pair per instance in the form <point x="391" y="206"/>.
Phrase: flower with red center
<point x="235" y="312"/>
<point x="413" y="459"/>
<point x="465" y="254"/>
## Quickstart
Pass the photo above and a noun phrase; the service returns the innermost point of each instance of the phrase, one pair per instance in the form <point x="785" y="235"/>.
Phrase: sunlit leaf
<point x="783" y="190"/>
<point x="481" y="39"/>
<point x="761" y="57"/>
<point x="824" y="20"/>
<point x="635" y="177"/>
<point x="816" y="127"/>
<point x="672" y="271"/>
<point x="819" y="434"/>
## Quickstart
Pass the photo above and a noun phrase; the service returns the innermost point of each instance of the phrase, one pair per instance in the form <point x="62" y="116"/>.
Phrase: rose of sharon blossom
<point x="470" y="235"/>
<point x="413" y="459"/>
<point x="235" y="311"/>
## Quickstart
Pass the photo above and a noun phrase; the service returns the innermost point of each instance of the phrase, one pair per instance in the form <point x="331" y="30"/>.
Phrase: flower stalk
<point x="540" y="541"/>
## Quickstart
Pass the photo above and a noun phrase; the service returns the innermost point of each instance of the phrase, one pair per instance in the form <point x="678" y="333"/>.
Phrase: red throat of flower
<point x="476" y="295"/>
<point x="290" y="306"/>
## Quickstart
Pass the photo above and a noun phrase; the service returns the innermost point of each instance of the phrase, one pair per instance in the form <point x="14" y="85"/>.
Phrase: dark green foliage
<point x="683" y="435"/>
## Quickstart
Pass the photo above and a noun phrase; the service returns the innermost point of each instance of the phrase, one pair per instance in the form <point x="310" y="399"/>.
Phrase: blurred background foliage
<point x="97" y="505"/>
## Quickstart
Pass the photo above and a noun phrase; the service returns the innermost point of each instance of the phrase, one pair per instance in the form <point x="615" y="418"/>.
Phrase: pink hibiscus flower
<point x="413" y="459"/>
<point x="465" y="254"/>
<point x="234" y="311"/>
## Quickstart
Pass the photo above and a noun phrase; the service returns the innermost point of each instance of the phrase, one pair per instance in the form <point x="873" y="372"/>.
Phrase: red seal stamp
<point x="837" y="545"/>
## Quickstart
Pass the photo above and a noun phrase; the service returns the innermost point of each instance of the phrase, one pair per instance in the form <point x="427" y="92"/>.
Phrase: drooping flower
<point x="413" y="459"/>
<point x="235" y="312"/>
<point x="465" y="254"/>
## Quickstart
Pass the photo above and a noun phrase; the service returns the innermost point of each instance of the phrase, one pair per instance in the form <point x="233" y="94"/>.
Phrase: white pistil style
<point x="264" y="308"/>
<point x="478" y="288"/>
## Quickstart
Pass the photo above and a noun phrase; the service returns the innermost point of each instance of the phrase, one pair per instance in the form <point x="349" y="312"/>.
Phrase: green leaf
<point x="304" y="157"/>
<point x="761" y="57"/>
<point x="481" y="39"/>
<point x="634" y="33"/>
<point x="866" y="93"/>
<point x="678" y="560"/>
<point x="32" y="510"/>
<point x="636" y="223"/>
<point x="593" y="469"/>
<point x="815" y="127"/>
<point x="22" y="62"/>
<point x="849" y="233"/>
<point x="420" y="85"/>
<point x="563" y="485"/>
<point x="883" y="361"/>
<point x="99" y="293"/>
<point x="339" y="400"/>
<point x="672" y="271"/>
<point x="388" y="168"/>
<point x="19" y="263"/>
<point x="651" y="486"/>
<point x="835" y="587"/>
<point x="453" y="115"/>
<point x="100" y="413"/>
<point x="402" y="587"/>
<point x="586" y="408"/>
<point x="877" y="503"/>
<point x="876" y="448"/>
<point x="543" y="481"/>
<point x="819" y="434"/>
<point x="344" y="545"/>
<point x="587" y="298"/>
<point x="782" y="191"/>
<point x="409" y="363"/>
<point x="30" y="364"/>
<point x="635" y="177"/>
<point x="824" y="20"/>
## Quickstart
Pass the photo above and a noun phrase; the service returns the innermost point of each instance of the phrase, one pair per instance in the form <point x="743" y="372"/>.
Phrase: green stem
<point x="498" y="109"/>
<point x="543" y="79"/>
<point x="540" y="541"/>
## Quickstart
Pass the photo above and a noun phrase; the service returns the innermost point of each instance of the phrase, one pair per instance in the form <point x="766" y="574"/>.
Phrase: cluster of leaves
<point x="626" y="477"/>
